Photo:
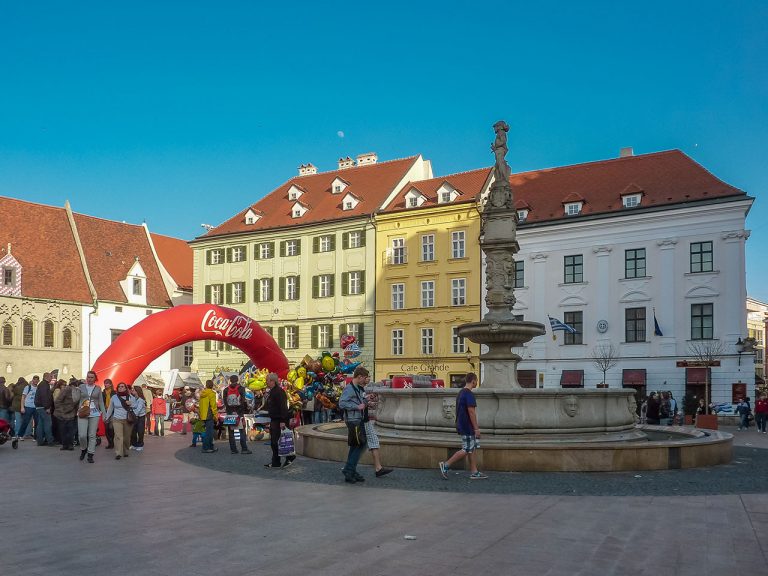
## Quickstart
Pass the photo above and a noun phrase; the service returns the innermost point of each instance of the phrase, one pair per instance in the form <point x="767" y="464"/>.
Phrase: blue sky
<point x="180" y="113"/>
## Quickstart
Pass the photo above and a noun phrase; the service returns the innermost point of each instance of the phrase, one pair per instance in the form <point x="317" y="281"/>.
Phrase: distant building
<point x="72" y="283"/>
<point x="302" y="260"/>
<point x="757" y="320"/>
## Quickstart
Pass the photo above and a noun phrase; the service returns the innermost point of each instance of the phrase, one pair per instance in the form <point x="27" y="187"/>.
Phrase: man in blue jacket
<point x="355" y="408"/>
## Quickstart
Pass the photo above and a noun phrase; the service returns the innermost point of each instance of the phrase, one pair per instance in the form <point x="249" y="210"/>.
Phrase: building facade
<point x="71" y="287"/>
<point x="428" y="278"/>
<point x="302" y="261"/>
<point x="757" y="319"/>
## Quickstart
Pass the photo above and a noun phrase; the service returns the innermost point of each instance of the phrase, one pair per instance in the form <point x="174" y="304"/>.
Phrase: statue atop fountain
<point x="498" y="329"/>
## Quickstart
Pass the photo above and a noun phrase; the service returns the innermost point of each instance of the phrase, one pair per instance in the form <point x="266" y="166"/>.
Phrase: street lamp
<point x="740" y="348"/>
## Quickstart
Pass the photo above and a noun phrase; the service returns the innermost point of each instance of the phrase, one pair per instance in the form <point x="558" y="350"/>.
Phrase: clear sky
<point x="182" y="113"/>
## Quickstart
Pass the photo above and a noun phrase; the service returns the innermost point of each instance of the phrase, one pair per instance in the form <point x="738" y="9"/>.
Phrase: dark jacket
<point x="653" y="409"/>
<point x="277" y="405"/>
<point x="240" y="408"/>
<point x="44" y="396"/>
<point x="6" y="395"/>
<point x="18" y="392"/>
<point x="66" y="402"/>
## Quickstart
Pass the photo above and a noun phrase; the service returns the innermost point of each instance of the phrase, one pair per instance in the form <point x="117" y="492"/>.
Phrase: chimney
<point x="368" y="158"/>
<point x="307" y="169"/>
<point x="345" y="163"/>
<point x="626" y="152"/>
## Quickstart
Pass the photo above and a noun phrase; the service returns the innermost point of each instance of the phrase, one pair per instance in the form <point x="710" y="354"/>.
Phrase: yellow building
<point x="302" y="260"/>
<point x="428" y="278"/>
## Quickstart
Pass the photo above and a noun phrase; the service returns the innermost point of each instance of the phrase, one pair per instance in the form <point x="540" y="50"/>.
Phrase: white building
<point x="608" y="246"/>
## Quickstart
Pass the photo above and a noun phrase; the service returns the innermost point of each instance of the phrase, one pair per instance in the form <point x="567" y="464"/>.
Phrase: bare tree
<point x="604" y="357"/>
<point x="707" y="353"/>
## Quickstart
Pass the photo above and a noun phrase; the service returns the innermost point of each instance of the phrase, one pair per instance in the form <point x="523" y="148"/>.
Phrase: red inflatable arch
<point x="130" y="354"/>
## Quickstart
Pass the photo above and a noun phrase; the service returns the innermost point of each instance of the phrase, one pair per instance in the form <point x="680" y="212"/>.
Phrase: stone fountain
<point x="550" y="429"/>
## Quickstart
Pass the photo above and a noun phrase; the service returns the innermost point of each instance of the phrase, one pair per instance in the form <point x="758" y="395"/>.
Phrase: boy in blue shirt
<point x="467" y="427"/>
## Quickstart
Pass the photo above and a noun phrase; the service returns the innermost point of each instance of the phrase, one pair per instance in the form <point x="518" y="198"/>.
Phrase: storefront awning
<point x="633" y="377"/>
<point x="572" y="379"/>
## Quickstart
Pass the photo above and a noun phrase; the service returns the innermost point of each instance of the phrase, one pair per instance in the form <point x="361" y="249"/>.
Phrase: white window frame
<point x="265" y="290"/>
<point x="428" y="248"/>
<point x="445" y="197"/>
<point x="238" y="254"/>
<point x="238" y="292"/>
<point x="355" y="282"/>
<point x="458" y="344"/>
<point x="355" y="239"/>
<point x="398" y="342"/>
<point x="458" y="244"/>
<point x="353" y="329"/>
<point x="324" y="286"/>
<point x="458" y="291"/>
<point x="265" y="251"/>
<point x="217" y="294"/>
<point x="428" y="341"/>
<point x="428" y="294"/>
<point x="398" y="296"/>
<point x="631" y="200"/>
<point x="138" y="283"/>
<point x="324" y="336"/>
<point x="291" y="337"/>
<point x="324" y="244"/>
<point x="292" y="247"/>
<point x="291" y="293"/>
<point x="522" y="215"/>
<point x="573" y="208"/>
<point x="217" y="256"/>
<point x="188" y="355"/>
<point x="398" y="251"/>
<point x="413" y="202"/>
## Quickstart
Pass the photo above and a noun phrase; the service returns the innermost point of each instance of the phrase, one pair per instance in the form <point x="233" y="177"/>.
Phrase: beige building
<point x="757" y="318"/>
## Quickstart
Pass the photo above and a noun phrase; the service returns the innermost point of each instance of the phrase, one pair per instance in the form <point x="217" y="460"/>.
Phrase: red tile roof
<point x="42" y="241"/>
<point x="110" y="249"/>
<point x="665" y="178"/>
<point x="177" y="258"/>
<point x="469" y="184"/>
<point x="371" y="183"/>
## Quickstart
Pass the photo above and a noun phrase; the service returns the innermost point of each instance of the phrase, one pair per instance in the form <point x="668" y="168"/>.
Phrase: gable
<point x="338" y="185"/>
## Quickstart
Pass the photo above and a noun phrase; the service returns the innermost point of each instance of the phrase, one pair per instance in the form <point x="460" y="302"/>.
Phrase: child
<point x="198" y="429"/>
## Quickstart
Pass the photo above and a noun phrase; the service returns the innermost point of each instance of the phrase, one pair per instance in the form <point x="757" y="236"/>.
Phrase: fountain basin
<point x="662" y="447"/>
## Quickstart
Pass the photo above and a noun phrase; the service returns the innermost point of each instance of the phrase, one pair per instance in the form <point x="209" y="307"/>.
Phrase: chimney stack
<point x="345" y="163"/>
<point x="366" y="159"/>
<point x="307" y="169"/>
<point x="626" y="152"/>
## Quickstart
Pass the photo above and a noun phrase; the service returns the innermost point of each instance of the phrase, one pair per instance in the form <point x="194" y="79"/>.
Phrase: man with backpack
<point x="468" y="429"/>
<point x="277" y="408"/>
<point x="234" y="403"/>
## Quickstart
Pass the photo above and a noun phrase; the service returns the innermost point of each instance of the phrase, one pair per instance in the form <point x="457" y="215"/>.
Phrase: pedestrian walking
<point x="353" y="403"/>
<point x="65" y="410"/>
<point x="89" y="410"/>
<point x="119" y="415"/>
<point x="372" y="438"/>
<point x="761" y="412"/>
<point x="158" y="413"/>
<point x="109" y="431"/>
<point x="139" y="425"/>
<point x="276" y="406"/>
<point x="468" y="428"/>
<point x="28" y="408"/>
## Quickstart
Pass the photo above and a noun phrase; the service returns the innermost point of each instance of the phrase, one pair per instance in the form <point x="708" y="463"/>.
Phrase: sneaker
<point x="90" y="458"/>
<point x="246" y="452"/>
<point x="443" y="470"/>
<point x="287" y="463"/>
<point x="349" y="479"/>
<point x="132" y="448"/>
<point x="383" y="472"/>
<point x="139" y="448"/>
<point x="477" y="476"/>
<point x="358" y="477"/>
<point x="82" y="454"/>
<point x="117" y="457"/>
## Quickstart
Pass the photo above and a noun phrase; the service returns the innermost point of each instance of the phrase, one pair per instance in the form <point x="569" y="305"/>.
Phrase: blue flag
<point x="656" y="328"/>
<point x="555" y="324"/>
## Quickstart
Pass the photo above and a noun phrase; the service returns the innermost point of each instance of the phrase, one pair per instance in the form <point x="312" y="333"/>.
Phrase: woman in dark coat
<point x="652" y="416"/>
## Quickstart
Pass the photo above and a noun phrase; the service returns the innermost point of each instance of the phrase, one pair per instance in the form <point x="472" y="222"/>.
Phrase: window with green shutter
<point x="229" y="293"/>
<point x="345" y="283"/>
<point x="281" y="336"/>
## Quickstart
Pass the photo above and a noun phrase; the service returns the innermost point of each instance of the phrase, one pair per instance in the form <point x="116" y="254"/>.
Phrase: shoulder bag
<point x="130" y="414"/>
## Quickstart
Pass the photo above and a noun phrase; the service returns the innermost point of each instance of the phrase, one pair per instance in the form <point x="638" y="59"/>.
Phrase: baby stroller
<point x="5" y="434"/>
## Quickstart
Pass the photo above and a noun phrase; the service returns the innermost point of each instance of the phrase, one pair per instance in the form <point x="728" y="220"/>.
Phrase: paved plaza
<point x="173" y="510"/>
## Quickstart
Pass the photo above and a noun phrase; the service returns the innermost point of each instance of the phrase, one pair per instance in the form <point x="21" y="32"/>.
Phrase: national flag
<point x="656" y="328"/>
<point x="555" y="324"/>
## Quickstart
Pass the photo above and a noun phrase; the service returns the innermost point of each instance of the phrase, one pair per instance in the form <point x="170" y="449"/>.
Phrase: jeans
<point x="5" y="414"/>
<point x="353" y="457"/>
<point x="744" y="421"/>
<point x="86" y="430"/>
<point x="44" y="430"/>
<point x="208" y="436"/>
<point x="109" y="432"/>
<point x="760" y="418"/>
<point x="137" y="434"/>
<point x="159" y="424"/>
<point x="29" y="415"/>
<point x="243" y="442"/>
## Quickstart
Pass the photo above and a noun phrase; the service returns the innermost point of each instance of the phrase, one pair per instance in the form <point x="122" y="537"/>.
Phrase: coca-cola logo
<point x="237" y="327"/>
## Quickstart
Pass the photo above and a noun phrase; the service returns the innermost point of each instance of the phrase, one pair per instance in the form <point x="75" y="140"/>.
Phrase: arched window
<point x="48" y="334"/>
<point x="27" y="333"/>
<point x="66" y="338"/>
<point x="7" y="335"/>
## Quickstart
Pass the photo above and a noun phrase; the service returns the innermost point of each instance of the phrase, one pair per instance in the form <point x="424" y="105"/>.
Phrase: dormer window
<point x="414" y="198"/>
<point x="138" y="286"/>
<point x="413" y="202"/>
<point x="347" y="205"/>
<point x="445" y="197"/>
<point x="297" y="213"/>
<point x="298" y="210"/>
<point x="522" y="215"/>
<point x="446" y="193"/>
<point x="294" y="192"/>
<point x="631" y="200"/>
<point x="339" y="185"/>
<point x="251" y="217"/>
<point x="349" y="201"/>
<point x="573" y="208"/>
<point x="336" y="189"/>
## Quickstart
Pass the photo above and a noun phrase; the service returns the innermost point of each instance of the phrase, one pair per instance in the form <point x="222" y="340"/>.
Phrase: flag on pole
<point x="555" y="324"/>
<point x="656" y="328"/>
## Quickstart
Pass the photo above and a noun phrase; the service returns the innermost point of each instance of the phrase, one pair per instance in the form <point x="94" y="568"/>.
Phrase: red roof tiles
<point x="469" y="184"/>
<point x="371" y="183"/>
<point x="177" y="258"/>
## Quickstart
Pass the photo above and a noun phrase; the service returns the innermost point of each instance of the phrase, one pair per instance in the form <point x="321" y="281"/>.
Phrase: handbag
<point x="130" y="415"/>
<point x="285" y="446"/>
<point x="85" y="409"/>
<point x="356" y="434"/>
